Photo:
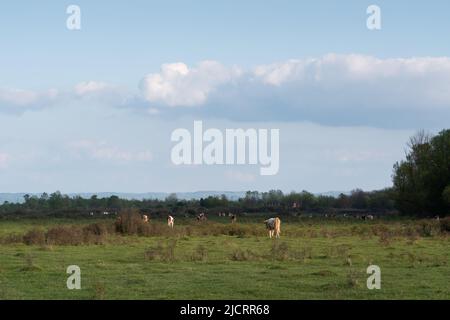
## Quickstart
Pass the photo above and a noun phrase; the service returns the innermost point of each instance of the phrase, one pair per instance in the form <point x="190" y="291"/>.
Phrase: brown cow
<point x="274" y="227"/>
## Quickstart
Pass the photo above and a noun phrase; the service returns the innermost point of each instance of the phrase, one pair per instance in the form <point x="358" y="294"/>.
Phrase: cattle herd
<point x="273" y="225"/>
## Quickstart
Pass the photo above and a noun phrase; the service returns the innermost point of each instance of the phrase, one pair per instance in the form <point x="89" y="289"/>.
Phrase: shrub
<point x="97" y="229"/>
<point x="94" y="233"/>
<point x="65" y="235"/>
<point x="445" y="224"/>
<point x="34" y="237"/>
<point x="428" y="228"/>
<point x="11" y="238"/>
<point x="130" y="222"/>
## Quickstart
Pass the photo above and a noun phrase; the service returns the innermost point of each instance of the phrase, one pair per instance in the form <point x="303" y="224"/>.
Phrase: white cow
<point x="170" y="221"/>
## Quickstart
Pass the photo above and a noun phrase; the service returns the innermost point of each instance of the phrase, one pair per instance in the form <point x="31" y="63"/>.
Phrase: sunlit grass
<point x="312" y="260"/>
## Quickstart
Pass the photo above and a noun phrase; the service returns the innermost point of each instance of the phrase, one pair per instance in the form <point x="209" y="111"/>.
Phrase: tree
<point x="421" y="179"/>
<point x="172" y="198"/>
<point x="113" y="202"/>
<point x="446" y="195"/>
<point x="358" y="199"/>
<point x="55" y="200"/>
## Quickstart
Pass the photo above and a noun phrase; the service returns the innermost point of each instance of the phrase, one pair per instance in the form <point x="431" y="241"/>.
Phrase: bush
<point x="445" y="224"/>
<point x="130" y="222"/>
<point x="11" y="238"/>
<point x="95" y="233"/>
<point x="97" y="229"/>
<point x="34" y="237"/>
<point x="428" y="228"/>
<point x="65" y="235"/>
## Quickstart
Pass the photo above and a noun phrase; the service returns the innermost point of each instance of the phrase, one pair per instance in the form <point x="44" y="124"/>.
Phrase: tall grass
<point x="130" y="222"/>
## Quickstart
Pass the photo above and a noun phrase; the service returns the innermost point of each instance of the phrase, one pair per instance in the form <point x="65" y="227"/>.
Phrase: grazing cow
<point x="274" y="227"/>
<point x="233" y="218"/>
<point x="369" y="217"/>
<point x="170" y="220"/>
<point x="201" y="217"/>
<point x="436" y="218"/>
<point x="145" y="218"/>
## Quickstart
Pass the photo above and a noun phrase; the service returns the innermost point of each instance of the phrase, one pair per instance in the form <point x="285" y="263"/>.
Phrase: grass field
<point x="314" y="259"/>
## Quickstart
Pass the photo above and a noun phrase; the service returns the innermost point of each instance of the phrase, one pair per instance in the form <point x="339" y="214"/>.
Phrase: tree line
<point x="421" y="187"/>
<point x="58" y="204"/>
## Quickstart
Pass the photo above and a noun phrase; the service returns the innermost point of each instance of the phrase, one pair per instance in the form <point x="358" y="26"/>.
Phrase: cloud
<point x="179" y="85"/>
<point x="17" y="100"/>
<point x="92" y="87"/>
<point x="98" y="91"/>
<point x="336" y="90"/>
<point x="103" y="151"/>
<point x="332" y="89"/>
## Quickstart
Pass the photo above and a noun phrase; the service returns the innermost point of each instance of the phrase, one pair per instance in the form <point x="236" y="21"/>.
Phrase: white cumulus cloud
<point x="332" y="89"/>
<point x="179" y="85"/>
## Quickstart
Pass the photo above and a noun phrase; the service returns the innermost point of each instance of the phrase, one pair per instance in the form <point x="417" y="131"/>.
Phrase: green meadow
<point x="313" y="259"/>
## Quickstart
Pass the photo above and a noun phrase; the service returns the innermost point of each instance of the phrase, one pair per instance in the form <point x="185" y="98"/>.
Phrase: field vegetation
<point x="316" y="258"/>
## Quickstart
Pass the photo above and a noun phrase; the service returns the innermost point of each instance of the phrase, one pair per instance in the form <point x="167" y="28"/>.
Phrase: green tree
<point x="421" y="179"/>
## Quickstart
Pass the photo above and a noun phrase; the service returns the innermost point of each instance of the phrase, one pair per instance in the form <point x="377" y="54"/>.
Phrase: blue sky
<point x="121" y="40"/>
<point x="84" y="110"/>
